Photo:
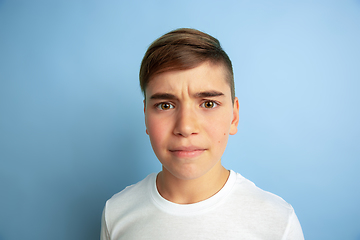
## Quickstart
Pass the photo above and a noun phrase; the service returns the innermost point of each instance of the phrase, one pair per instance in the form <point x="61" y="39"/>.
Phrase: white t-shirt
<point x="240" y="210"/>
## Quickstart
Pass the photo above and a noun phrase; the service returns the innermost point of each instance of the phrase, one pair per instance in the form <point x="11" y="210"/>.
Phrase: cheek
<point x="157" y="130"/>
<point x="219" y="130"/>
<point x="223" y="139"/>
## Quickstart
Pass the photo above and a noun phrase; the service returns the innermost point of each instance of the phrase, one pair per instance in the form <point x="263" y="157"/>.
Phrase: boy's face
<point x="189" y="115"/>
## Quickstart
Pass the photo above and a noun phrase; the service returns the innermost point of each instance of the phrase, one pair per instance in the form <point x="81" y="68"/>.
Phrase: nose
<point x="186" y="122"/>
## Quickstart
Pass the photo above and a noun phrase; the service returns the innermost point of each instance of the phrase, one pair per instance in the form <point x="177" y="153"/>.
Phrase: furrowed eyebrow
<point x="163" y="96"/>
<point x="208" y="94"/>
<point x="204" y="94"/>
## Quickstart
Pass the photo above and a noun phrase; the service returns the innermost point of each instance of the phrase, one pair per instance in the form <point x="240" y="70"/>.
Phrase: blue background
<point x="71" y="114"/>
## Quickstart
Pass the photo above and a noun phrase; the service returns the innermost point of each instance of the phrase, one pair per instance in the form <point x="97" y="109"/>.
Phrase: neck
<point x="191" y="190"/>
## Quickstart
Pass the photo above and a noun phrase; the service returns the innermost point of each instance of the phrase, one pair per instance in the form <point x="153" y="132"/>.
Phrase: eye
<point x="164" y="106"/>
<point x="209" y="104"/>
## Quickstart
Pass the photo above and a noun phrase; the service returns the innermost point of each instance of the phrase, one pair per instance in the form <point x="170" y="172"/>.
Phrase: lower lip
<point x="187" y="154"/>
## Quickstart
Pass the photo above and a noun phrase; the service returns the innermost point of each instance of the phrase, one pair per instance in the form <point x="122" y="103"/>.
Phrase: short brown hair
<point x="183" y="49"/>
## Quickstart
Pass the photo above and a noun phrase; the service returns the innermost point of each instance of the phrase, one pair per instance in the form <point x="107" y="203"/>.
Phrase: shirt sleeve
<point x="293" y="230"/>
<point x="104" y="234"/>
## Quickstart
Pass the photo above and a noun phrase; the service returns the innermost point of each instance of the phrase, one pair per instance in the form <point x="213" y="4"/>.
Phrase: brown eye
<point x="209" y="104"/>
<point x="165" y="106"/>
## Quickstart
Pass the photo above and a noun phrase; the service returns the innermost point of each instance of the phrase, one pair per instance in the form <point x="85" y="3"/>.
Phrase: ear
<point x="145" y="117"/>
<point x="235" y="120"/>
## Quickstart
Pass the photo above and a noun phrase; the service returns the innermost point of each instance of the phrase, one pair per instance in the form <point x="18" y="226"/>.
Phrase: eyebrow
<point x="197" y="95"/>
<point x="209" y="94"/>
<point x="163" y="96"/>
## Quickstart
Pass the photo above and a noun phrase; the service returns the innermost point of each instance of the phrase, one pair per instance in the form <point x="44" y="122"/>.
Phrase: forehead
<point x="205" y="77"/>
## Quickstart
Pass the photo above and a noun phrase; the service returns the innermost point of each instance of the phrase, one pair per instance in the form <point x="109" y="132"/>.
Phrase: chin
<point x="186" y="173"/>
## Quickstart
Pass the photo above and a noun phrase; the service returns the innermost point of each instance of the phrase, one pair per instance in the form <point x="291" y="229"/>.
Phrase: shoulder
<point x="260" y="199"/>
<point x="133" y="191"/>
<point x="129" y="198"/>
<point x="255" y="207"/>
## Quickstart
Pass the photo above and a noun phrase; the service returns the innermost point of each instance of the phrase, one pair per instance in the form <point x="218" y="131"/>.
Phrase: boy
<point x="190" y="110"/>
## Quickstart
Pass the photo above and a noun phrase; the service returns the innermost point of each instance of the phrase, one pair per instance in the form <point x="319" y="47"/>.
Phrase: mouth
<point x="187" y="152"/>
